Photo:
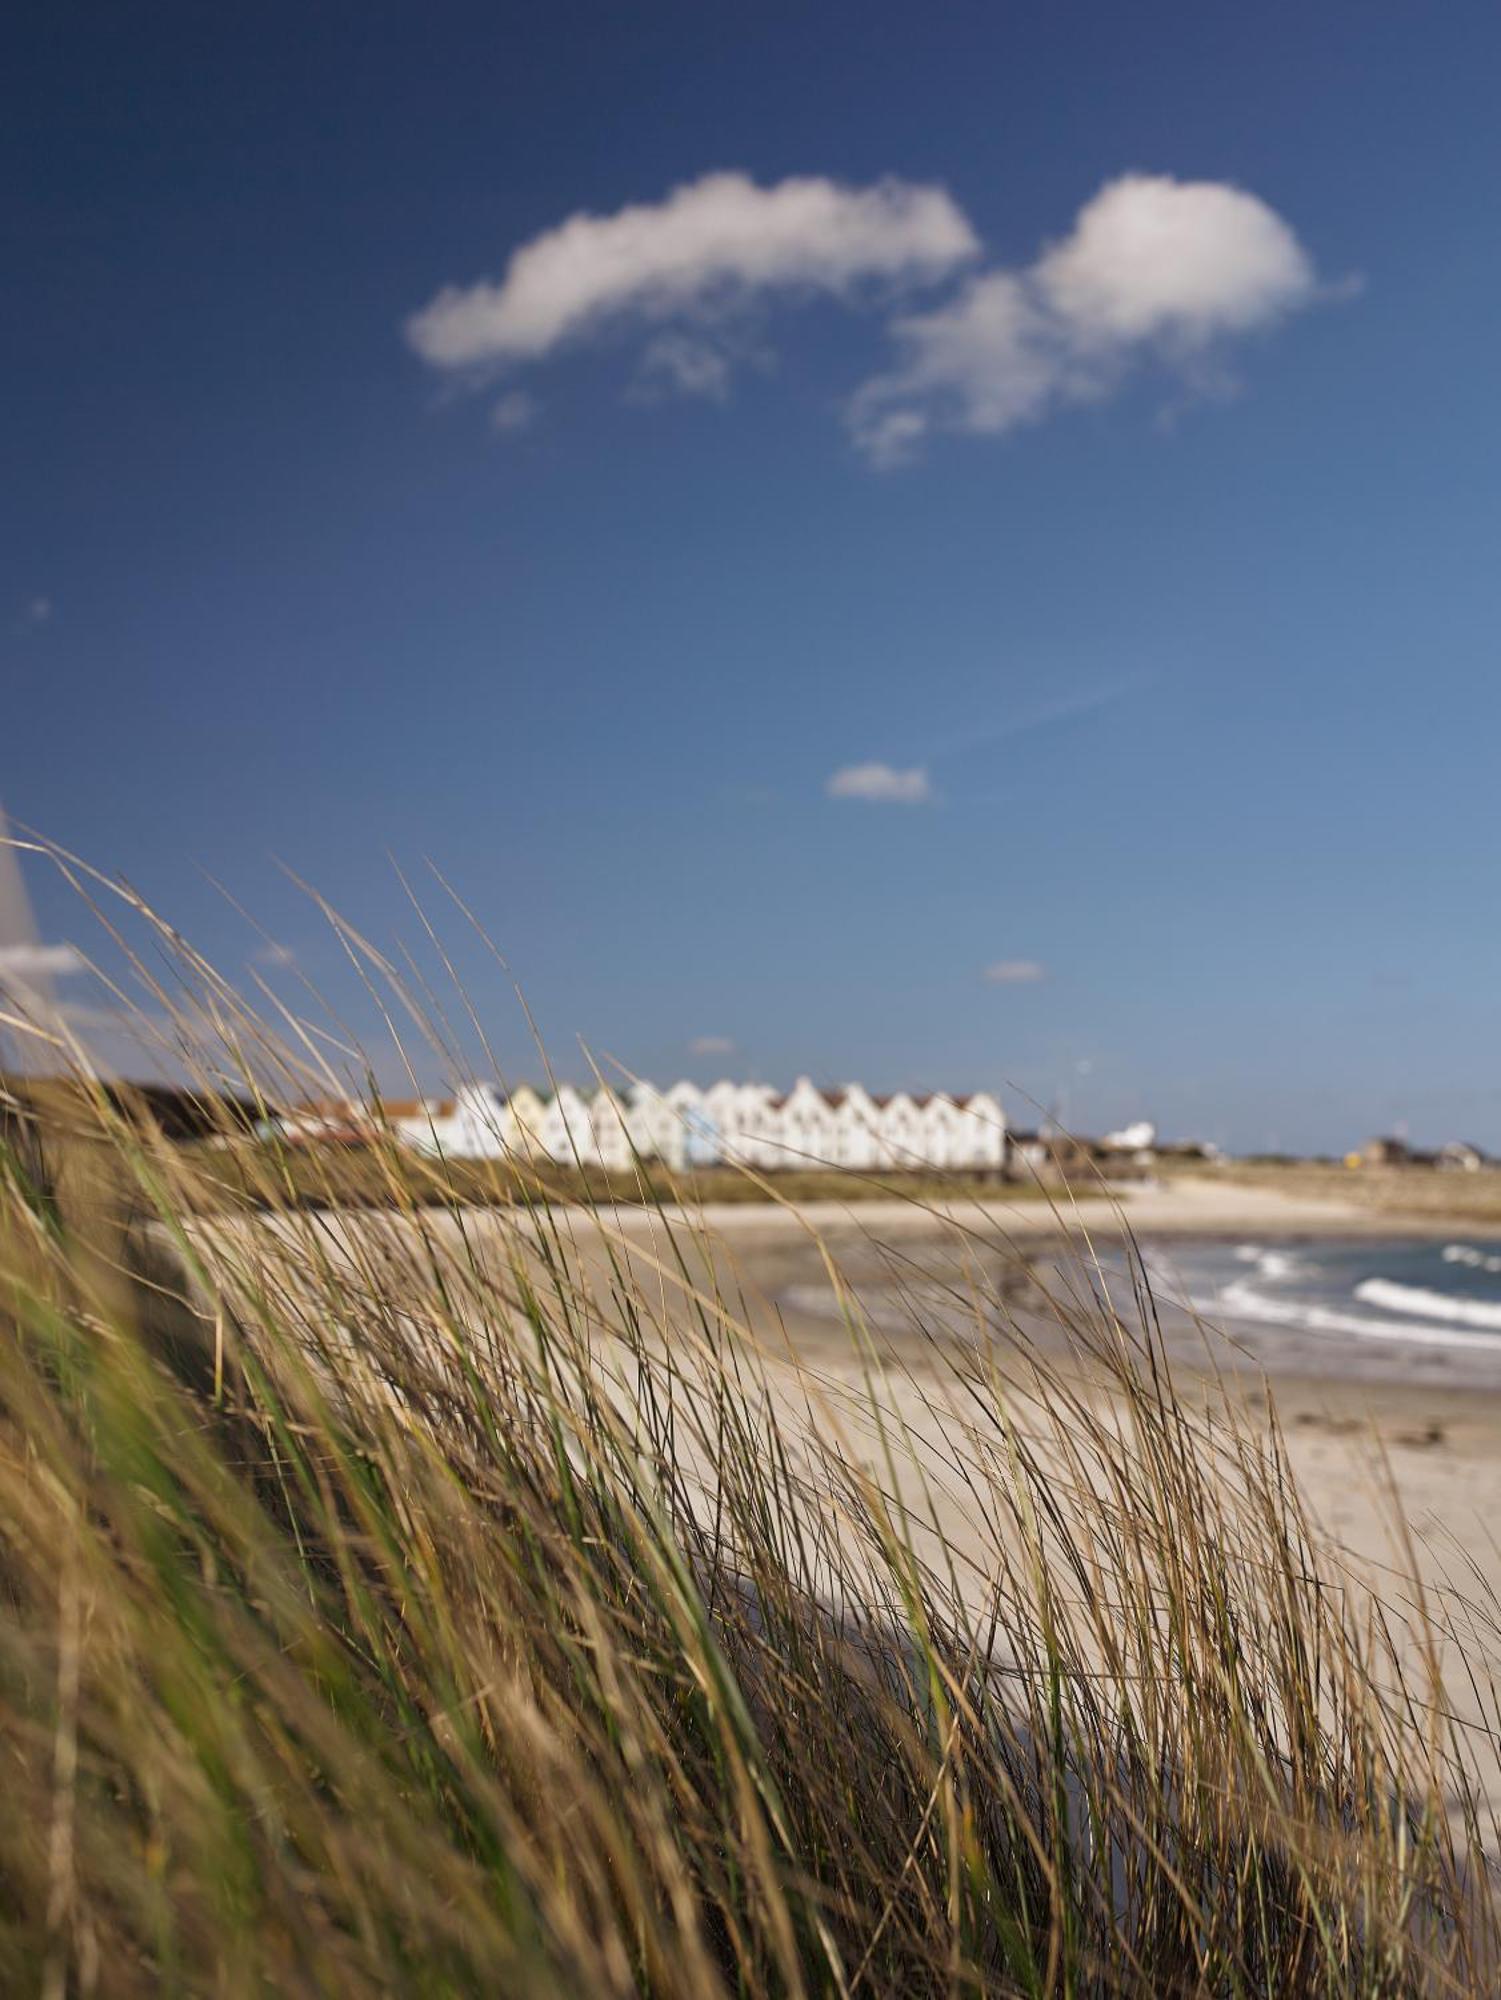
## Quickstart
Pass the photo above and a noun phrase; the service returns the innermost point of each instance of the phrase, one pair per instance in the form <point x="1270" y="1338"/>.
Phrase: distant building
<point x="984" y="1130"/>
<point x="1461" y="1157"/>
<point x="686" y="1126"/>
<point x="1385" y="1152"/>
<point x="809" y="1126"/>
<point x="321" y="1121"/>
<point x="610" y="1123"/>
<point x="1138" y="1138"/>
<point x="899" y="1130"/>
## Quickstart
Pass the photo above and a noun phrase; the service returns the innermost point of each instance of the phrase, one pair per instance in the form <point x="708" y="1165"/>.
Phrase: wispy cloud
<point x="275" y="955"/>
<point x="1049" y="712"/>
<point x="515" y="411"/>
<point x="685" y="365"/>
<point x="711" y="1045"/>
<point x="888" y="784"/>
<point x="41" y="961"/>
<point x="1014" y="972"/>
<point x="881" y="784"/>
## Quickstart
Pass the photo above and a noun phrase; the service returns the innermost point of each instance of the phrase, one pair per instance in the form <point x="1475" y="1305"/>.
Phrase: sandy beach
<point x="1180" y="1207"/>
<point x="1399" y="1462"/>
<point x="1385" y="1442"/>
<point x="1397" y="1454"/>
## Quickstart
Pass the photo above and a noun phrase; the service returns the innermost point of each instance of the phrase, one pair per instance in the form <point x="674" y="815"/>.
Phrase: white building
<point x="528" y="1108"/>
<point x="983" y="1145"/>
<point x="610" y="1120"/>
<point x="653" y="1125"/>
<point x="857" y="1128"/>
<point x="684" y="1127"/>
<point x="1138" y="1138"/>
<point x="567" y="1129"/>
<point x="697" y="1141"/>
<point x="806" y="1128"/>
<point x="900" y="1131"/>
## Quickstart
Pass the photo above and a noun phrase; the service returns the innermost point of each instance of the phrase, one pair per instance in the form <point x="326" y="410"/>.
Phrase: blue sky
<point x="1173" y="630"/>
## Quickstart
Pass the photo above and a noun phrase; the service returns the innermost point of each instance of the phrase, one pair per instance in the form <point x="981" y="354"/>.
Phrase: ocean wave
<point x="1473" y="1258"/>
<point x="1387" y="1293"/>
<point x="1243" y="1301"/>
<point x="1270" y="1264"/>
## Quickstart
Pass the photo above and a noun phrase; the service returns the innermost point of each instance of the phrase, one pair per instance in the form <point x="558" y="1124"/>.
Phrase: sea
<point x="1420" y="1294"/>
<point x="1371" y="1308"/>
<point x="1366" y="1305"/>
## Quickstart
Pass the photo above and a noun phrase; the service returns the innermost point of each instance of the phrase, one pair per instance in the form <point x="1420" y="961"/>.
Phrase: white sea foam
<point x="1270" y="1264"/>
<point x="1242" y="1301"/>
<point x="1468" y="1255"/>
<point x="1393" y="1297"/>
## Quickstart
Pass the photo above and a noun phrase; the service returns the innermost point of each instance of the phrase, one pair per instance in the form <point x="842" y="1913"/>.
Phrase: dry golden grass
<point x="401" y="1608"/>
<point x="1421" y="1192"/>
<point x="244" y="1173"/>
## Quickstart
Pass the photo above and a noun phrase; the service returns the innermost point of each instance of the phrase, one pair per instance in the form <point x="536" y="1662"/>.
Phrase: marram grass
<point x="439" y="1602"/>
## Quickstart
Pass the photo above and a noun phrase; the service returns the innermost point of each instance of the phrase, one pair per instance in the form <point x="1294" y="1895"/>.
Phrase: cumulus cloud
<point x="1152" y="256"/>
<point x="40" y="961"/>
<point x="715" y="240"/>
<point x="1015" y="972"/>
<point x="881" y="784"/>
<point x="1153" y="267"/>
<point x="711" y="1045"/>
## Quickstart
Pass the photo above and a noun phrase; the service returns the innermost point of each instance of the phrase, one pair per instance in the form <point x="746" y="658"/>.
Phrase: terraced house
<point x="686" y="1126"/>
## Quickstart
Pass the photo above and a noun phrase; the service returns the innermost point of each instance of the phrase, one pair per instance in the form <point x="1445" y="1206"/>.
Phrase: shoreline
<point x="1202" y="1209"/>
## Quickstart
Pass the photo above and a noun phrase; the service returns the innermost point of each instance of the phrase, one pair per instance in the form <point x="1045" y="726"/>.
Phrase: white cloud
<point x="712" y="242"/>
<point x="887" y="437"/>
<point x="1153" y="267"/>
<point x="691" y="366"/>
<point x="711" y="1045"/>
<point x="1015" y="972"/>
<point x="40" y="961"/>
<point x="516" y="411"/>
<point x="275" y="954"/>
<point x="1152" y="256"/>
<point x="881" y="784"/>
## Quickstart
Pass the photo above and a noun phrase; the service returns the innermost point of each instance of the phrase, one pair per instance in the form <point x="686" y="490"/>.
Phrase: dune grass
<point x="240" y="1173"/>
<point x="418" y="1603"/>
<point x="1422" y="1193"/>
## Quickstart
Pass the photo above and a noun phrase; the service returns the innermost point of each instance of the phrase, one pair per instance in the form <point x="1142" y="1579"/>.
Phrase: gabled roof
<point x="416" y="1107"/>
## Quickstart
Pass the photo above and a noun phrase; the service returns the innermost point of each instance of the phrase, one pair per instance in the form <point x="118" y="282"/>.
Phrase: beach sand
<point x="1394" y="1444"/>
<point x="1388" y="1446"/>
<point x="1399" y="1463"/>
<point x="1399" y="1466"/>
